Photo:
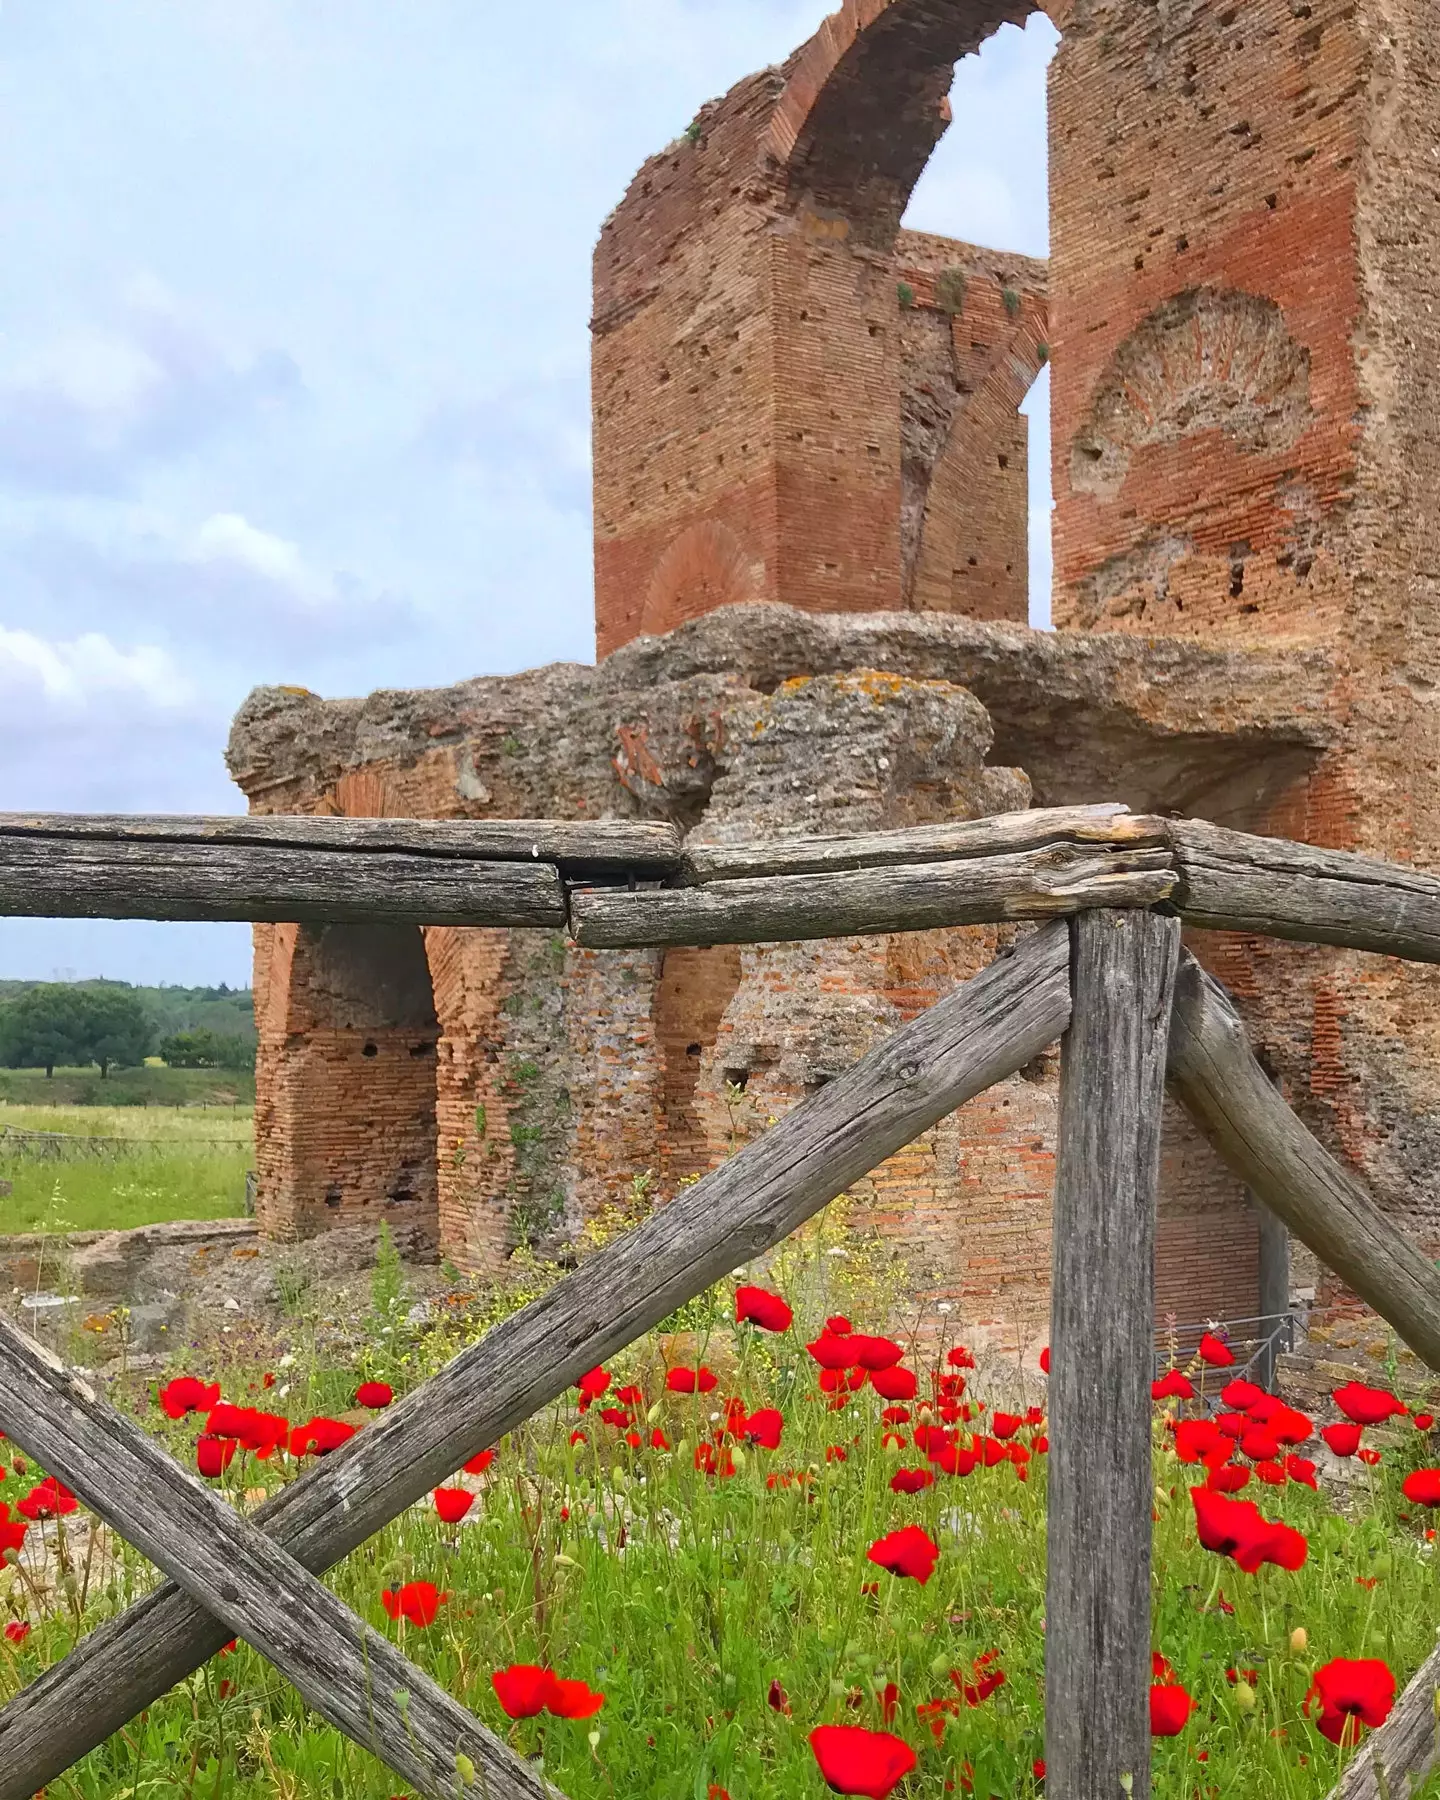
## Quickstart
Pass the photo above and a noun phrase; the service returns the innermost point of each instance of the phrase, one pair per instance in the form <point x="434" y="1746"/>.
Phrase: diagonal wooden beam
<point x="1215" y="1075"/>
<point x="1102" y="1334"/>
<point x="985" y="1031"/>
<point x="348" y="1673"/>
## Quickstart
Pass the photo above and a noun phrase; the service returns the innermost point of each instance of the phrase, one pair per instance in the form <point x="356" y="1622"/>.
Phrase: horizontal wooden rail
<point x="576" y="845"/>
<point x="350" y="1674"/>
<point x="1032" y="884"/>
<point x="104" y="878"/>
<point x="1216" y="1076"/>
<point x="986" y="1030"/>
<point x="1230" y="881"/>
<point x="1396" y="1759"/>
<point x="997" y="835"/>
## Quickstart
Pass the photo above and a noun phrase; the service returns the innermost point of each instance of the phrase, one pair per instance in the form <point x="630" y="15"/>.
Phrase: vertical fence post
<point x="1102" y="1327"/>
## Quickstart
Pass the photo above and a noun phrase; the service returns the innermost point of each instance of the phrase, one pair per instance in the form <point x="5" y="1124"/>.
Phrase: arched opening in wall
<point x="980" y="497"/>
<point x="361" y="1103"/>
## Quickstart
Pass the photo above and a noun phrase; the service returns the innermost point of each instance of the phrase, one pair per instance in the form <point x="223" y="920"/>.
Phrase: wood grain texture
<point x="1395" y="1760"/>
<point x="995" y="835"/>
<point x="1217" y="1078"/>
<point x="101" y="878"/>
<point x="575" y="844"/>
<point x="1032" y="884"/>
<point x="1231" y="881"/>
<point x="983" y="1032"/>
<point x="348" y="1673"/>
<point x="1102" y="1333"/>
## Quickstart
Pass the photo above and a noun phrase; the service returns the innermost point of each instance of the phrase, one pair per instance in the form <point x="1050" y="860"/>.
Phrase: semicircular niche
<point x="704" y="567"/>
<point x="1210" y="359"/>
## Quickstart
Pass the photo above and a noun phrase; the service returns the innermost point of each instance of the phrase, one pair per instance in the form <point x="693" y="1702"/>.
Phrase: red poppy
<point x="1271" y="1472"/>
<point x="1232" y="1425"/>
<point x="1261" y="1411"/>
<point x="592" y="1385"/>
<point x="1348" y="1694"/>
<point x="1300" y="1468"/>
<point x="911" y="1481"/>
<point x="909" y="1551"/>
<point x="1229" y="1478"/>
<point x="320" y="1437"/>
<point x="1196" y="1440"/>
<point x="261" y="1432"/>
<point x="1367" y="1405"/>
<point x="831" y="1351"/>
<point x="960" y="1358"/>
<point x="1290" y="1427"/>
<point x="987" y="1676"/>
<point x="417" y="1602"/>
<point x="1241" y="1395"/>
<point x="267" y="1380"/>
<point x="1343" y="1438"/>
<point x="762" y="1308"/>
<point x="12" y="1537"/>
<point x="578" y="1437"/>
<point x="896" y="1415"/>
<point x="477" y="1465"/>
<point x="1368" y="1455"/>
<point x="17" y="1631"/>
<point x="874" y="1352"/>
<point x="836" y="1453"/>
<point x="952" y="1459"/>
<point x="621" y="1417"/>
<point x="894" y="1384"/>
<point x="1424" y="1421"/>
<point x="574" y="1700"/>
<point x="452" y="1504"/>
<point x="630" y="1395"/>
<point x="1235" y="1528"/>
<point x="763" y="1428"/>
<point x="691" y="1381"/>
<point x="777" y="1699"/>
<point x="658" y="1440"/>
<point x="711" y="1461"/>
<point x="855" y="1761"/>
<point x="524" y="1689"/>
<point x="1423" y="1487"/>
<point x="839" y="1326"/>
<point x="187" y="1394"/>
<point x="715" y="1792"/>
<point x="1172" y="1386"/>
<point x="50" y="1499"/>
<point x="376" y="1395"/>
<point x="1215" y="1351"/>
<point x="1045" y="1360"/>
<point x="1004" y="1424"/>
<point x="1170" y="1709"/>
<point x="214" y="1455"/>
<point x="1258" y="1445"/>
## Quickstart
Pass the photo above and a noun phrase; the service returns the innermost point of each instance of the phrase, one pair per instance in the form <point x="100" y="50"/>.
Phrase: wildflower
<point x="1045" y="1360"/>
<point x="960" y="1358"/>
<point x="896" y="1415"/>
<point x="909" y="1552"/>
<point x="1343" y="1439"/>
<point x="1215" y="1351"/>
<point x="987" y="1677"/>
<point x="417" y="1602"/>
<point x="1258" y="1445"/>
<point x="1173" y="1386"/>
<point x="855" y="1761"/>
<point x="764" y="1427"/>
<point x="574" y="1700"/>
<point x="1422" y="1486"/>
<point x="758" y="1307"/>
<point x="213" y="1455"/>
<point x="711" y="1462"/>
<point x="630" y="1395"/>
<point x="1300" y="1468"/>
<point x="621" y="1417"/>
<point x="875" y="1352"/>
<point x="1197" y="1440"/>
<point x="952" y="1459"/>
<point x="375" y="1395"/>
<point x="50" y="1499"/>
<point x="839" y="1326"/>
<point x="831" y="1351"/>
<point x="187" y="1394"/>
<point x="1367" y="1405"/>
<point x="320" y="1437"/>
<point x="1289" y="1426"/>
<point x="1424" y="1421"/>
<point x="1004" y="1424"/>
<point x="12" y="1536"/>
<point x="894" y="1384"/>
<point x="1368" y="1455"/>
<point x="777" y="1699"/>
<point x="691" y="1381"/>
<point x="1235" y="1528"/>
<point x="592" y="1385"/>
<point x="17" y="1631"/>
<point x="911" y="1481"/>
<point x="1348" y="1694"/>
<point x="1241" y="1395"/>
<point x="477" y="1465"/>
<point x="452" y="1504"/>
<point x="524" y="1689"/>
<point x="1229" y="1478"/>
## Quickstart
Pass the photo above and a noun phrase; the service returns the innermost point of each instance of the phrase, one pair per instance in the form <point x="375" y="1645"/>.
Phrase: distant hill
<point x="229" y="1011"/>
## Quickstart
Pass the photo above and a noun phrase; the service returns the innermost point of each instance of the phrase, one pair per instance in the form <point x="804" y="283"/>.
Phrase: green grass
<point x="167" y="1164"/>
<point x="685" y="1597"/>
<point x="143" y="1087"/>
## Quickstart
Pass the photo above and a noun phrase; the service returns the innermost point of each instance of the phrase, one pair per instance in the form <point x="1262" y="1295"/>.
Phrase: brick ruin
<point x="810" y="518"/>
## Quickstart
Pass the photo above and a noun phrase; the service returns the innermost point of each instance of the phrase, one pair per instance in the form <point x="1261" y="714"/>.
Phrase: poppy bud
<point x="593" y="1739"/>
<point x="1245" y="1696"/>
<point x="656" y="1413"/>
<point x="1299" y="1639"/>
<point x="737" y="1456"/>
<point x="940" y="1665"/>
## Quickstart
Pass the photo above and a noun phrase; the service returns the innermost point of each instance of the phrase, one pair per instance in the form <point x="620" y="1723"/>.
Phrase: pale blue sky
<point x="293" y="359"/>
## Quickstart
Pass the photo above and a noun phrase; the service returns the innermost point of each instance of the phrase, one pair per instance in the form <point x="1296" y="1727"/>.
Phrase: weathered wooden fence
<point x="1105" y="973"/>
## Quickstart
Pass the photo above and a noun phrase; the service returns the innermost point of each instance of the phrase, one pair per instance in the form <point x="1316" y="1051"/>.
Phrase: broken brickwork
<point x="810" y="480"/>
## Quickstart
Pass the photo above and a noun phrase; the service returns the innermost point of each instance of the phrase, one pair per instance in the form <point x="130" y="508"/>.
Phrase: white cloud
<point x="78" y="673"/>
<point x="231" y="538"/>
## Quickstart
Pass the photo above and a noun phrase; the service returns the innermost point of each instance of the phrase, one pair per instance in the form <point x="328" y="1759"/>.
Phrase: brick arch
<point x="866" y="102"/>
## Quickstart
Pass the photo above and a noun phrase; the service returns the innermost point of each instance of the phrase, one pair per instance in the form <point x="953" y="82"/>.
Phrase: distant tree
<point x="63" y="1023"/>
<point x="203" y="1049"/>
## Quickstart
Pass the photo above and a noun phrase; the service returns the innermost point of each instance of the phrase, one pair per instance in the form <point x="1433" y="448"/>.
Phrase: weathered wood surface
<point x="999" y="834"/>
<point x="1230" y="1097"/>
<point x="578" y="844"/>
<point x="100" y="878"/>
<point x="1032" y="884"/>
<point x="1395" y="1760"/>
<point x="349" y="1674"/>
<point x="1230" y="881"/>
<point x="990" y="1027"/>
<point x="1102" y="1326"/>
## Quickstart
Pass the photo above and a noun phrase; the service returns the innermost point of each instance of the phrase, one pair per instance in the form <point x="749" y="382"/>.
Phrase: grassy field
<point x="145" y="1087"/>
<point x="122" y="1165"/>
